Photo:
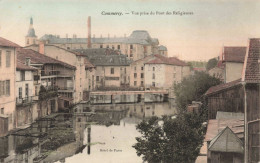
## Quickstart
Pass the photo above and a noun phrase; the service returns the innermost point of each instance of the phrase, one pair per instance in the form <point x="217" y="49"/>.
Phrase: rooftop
<point x="21" y="66"/>
<point x="251" y="72"/>
<point x="159" y="59"/>
<point x="7" y="43"/>
<point x="37" y="58"/>
<point x="162" y="48"/>
<point x="234" y="54"/>
<point x="221" y="87"/>
<point x="215" y="126"/>
<point x="137" y="37"/>
<point x="226" y="141"/>
<point x="104" y="57"/>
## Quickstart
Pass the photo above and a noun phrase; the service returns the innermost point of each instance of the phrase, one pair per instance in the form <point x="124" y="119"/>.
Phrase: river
<point x="92" y="133"/>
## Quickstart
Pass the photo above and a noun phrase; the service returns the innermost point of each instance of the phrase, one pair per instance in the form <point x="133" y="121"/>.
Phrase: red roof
<point x="7" y="43"/>
<point x="221" y="87"/>
<point x="251" y="73"/>
<point x="234" y="54"/>
<point x="159" y="59"/>
<point x="37" y="58"/>
<point x="21" y="66"/>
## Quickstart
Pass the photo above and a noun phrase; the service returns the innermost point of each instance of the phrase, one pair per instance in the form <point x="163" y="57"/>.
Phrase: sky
<point x="199" y="36"/>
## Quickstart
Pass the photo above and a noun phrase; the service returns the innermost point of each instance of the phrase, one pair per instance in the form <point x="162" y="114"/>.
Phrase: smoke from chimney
<point x="89" y="32"/>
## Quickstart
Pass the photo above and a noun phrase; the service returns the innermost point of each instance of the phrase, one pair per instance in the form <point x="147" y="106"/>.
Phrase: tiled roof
<point x="251" y="72"/>
<point x="234" y="54"/>
<point x="88" y="64"/>
<point x="21" y="66"/>
<point x="137" y="37"/>
<point x="221" y="87"/>
<point x="105" y="57"/>
<point x="159" y="59"/>
<point x="7" y="43"/>
<point x="37" y="58"/>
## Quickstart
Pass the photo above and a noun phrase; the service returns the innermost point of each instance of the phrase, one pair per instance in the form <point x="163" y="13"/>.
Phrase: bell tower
<point x="30" y="38"/>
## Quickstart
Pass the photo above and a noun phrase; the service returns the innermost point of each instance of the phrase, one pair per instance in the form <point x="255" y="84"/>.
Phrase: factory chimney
<point x="89" y="32"/>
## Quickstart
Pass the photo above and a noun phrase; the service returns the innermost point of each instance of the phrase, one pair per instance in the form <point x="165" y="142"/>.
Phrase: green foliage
<point x="175" y="140"/>
<point x="45" y="94"/>
<point x="211" y="63"/>
<point x="192" y="88"/>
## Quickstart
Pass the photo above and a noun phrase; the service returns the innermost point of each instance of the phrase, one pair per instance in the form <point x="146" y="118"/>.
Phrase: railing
<point x="26" y="100"/>
<point x="65" y="88"/>
<point x="50" y="73"/>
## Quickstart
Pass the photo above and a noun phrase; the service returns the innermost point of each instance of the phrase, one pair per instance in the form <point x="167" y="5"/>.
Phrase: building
<point x="226" y="97"/>
<point x="224" y="138"/>
<point x="7" y="85"/>
<point x="54" y="75"/>
<point x="163" y="50"/>
<point x="136" y="46"/>
<point x="26" y="106"/>
<point x="76" y="81"/>
<point x="112" y="68"/>
<point x="163" y="72"/>
<point x="31" y="38"/>
<point x="233" y="60"/>
<point x="251" y="84"/>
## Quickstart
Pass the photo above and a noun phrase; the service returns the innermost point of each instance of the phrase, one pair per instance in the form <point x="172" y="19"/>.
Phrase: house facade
<point x="136" y="46"/>
<point x="7" y="84"/>
<point x="26" y="106"/>
<point x="233" y="60"/>
<point x="163" y="72"/>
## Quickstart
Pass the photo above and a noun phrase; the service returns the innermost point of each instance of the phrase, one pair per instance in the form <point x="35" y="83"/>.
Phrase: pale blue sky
<point x="196" y="37"/>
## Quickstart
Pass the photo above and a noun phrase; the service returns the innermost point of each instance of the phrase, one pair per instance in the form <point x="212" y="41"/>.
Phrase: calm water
<point x="107" y="135"/>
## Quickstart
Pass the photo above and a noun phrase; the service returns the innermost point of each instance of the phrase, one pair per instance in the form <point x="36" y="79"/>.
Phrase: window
<point x="8" y="58"/>
<point x="131" y="55"/>
<point x="142" y="75"/>
<point x="131" y="46"/>
<point x="2" y="88"/>
<point x="153" y="84"/>
<point x="135" y="83"/>
<point x="118" y="47"/>
<point x="153" y="76"/>
<point x="22" y="75"/>
<point x="0" y="58"/>
<point x="153" y="68"/>
<point x="142" y="83"/>
<point x="2" y="111"/>
<point x="135" y="68"/>
<point x="113" y="47"/>
<point x="7" y="91"/>
<point x="142" y="68"/>
<point x="112" y="71"/>
<point x="135" y="75"/>
<point x="26" y="90"/>
<point x="68" y="48"/>
<point x="97" y="78"/>
<point x="107" y="46"/>
<point x="101" y="46"/>
<point x="20" y="92"/>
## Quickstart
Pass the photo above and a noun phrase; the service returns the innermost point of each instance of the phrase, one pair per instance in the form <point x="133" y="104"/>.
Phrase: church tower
<point x="30" y="38"/>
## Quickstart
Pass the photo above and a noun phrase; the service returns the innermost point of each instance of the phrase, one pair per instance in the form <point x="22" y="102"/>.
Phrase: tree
<point x="175" y="140"/>
<point x="192" y="88"/>
<point x="211" y="63"/>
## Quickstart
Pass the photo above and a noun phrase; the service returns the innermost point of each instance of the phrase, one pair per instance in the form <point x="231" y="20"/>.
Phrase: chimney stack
<point x="89" y="32"/>
<point x="27" y="61"/>
<point x="41" y="47"/>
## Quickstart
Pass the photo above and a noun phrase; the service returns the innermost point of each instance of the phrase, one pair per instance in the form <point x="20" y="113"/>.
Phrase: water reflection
<point x="91" y="133"/>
